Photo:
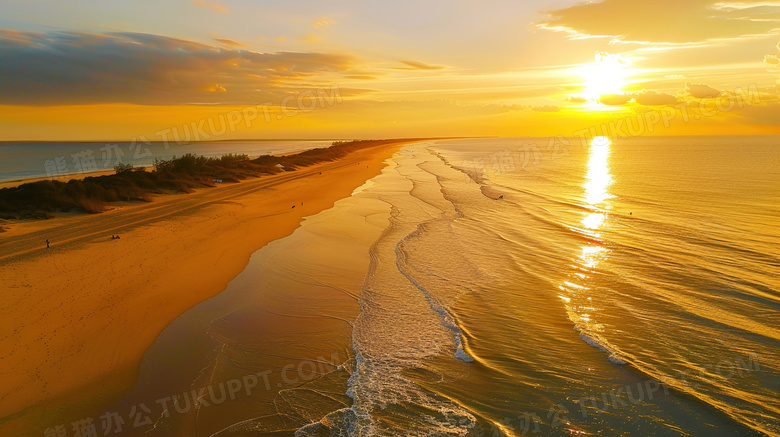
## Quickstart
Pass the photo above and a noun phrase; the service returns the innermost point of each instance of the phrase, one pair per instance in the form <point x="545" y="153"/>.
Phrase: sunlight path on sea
<point x="578" y="294"/>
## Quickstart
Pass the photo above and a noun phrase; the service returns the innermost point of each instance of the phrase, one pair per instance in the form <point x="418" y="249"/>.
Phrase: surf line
<point x="446" y="318"/>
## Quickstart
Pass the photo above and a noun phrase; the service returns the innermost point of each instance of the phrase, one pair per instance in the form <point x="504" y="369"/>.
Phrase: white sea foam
<point x="446" y="319"/>
<point x="402" y="325"/>
<point x="612" y="355"/>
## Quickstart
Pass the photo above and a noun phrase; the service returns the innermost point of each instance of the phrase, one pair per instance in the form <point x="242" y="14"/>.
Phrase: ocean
<point x="502" y="287"/>
<point x="34" y="159"/>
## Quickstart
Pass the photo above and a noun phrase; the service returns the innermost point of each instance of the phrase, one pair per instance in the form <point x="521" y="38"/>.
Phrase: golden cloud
<point x="615" y="99"/>
<point x="414" y="65"/>
<point x="230" y="42"/>
<point x="665" y="21"/>
<point x="700" y="90"/>
<point x="654" y="98"/>
<point x="85" y="68"/>
<point x="322" y="22"/>
<point x="213" y="6"/>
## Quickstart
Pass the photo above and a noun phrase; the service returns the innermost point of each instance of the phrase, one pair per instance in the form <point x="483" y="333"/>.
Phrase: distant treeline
<point x="185" y="173"/>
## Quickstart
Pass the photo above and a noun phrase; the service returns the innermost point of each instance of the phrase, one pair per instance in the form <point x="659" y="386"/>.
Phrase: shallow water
<point x="607" y="288"/>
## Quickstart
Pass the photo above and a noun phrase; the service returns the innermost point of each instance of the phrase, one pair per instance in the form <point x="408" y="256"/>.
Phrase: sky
<point x="228" y="69"/>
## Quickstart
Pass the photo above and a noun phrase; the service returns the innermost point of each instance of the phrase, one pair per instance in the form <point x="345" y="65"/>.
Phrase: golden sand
<point x="80" y="315"/>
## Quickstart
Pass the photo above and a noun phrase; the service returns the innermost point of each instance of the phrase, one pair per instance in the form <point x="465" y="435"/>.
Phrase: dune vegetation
<point x="179" y="174"/>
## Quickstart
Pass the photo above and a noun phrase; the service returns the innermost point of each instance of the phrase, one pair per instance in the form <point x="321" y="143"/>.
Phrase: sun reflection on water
<point x="598" y="177"/>
<point x="580" y="295"/>
<point x="598" y="180"/>
<point x="591" y="256"/>
<point x="593" y="220"/>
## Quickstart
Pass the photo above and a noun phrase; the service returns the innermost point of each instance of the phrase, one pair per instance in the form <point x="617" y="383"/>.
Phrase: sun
<point x="606" y="75"/>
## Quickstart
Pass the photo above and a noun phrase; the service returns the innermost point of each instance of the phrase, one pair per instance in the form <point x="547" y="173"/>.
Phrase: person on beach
<point x="47" y="244"/>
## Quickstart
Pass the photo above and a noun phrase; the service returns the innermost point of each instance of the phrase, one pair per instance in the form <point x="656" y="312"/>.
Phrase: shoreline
<point x="93" y="318"/>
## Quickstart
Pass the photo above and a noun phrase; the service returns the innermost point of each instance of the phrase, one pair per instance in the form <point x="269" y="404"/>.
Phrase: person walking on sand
<point x="48" y="246"/>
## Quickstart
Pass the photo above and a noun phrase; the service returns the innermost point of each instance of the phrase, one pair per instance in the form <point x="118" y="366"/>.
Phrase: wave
<point x="612" y="354"/>
<point x="403" y="322"/>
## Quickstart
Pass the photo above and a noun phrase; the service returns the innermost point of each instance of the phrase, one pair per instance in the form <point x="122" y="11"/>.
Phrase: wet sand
<point x="273" y="352"/>
<point x="93" y="305"/>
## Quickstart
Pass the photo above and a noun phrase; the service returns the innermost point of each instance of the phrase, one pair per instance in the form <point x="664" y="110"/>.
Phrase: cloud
<point x="230" y="42"/>
<point x="213" y="6"/>
<point x="10" y="36"/>
<point x="700" y="90"/>
<point x="362" y="77"/>
<point x="87" y="68"/>
<point x="773" y="60"/>
<point x="546" y="108"/>
<point x="761" y="115"/>
<point x="414" y="65"/>
<point x="310" y="38"/>
<point x="654" y="98"/>
<point x="663" y="21"/>
<point x="322" y="22"/>
<point x="577" y="99"/>
<point x="615" y="99"/>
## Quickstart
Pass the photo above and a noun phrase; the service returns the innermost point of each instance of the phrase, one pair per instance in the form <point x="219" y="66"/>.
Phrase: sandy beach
<point x="78" y="317"/>
<point x="226" y="218"/>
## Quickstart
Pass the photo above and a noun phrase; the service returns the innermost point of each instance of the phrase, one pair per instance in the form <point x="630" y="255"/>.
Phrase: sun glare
<point x="598" y="176"/>
<point x="606" y="75"/>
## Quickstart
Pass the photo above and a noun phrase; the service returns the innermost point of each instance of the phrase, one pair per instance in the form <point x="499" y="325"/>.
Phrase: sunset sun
<point x="235" y="218"/>
<point x="606" y="75"/>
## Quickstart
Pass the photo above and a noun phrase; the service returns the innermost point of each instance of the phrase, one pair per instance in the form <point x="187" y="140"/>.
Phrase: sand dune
<point x="78" y="317"/>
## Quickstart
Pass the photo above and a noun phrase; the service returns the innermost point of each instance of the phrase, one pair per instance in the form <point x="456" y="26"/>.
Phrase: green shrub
<point x="123" y="168"/>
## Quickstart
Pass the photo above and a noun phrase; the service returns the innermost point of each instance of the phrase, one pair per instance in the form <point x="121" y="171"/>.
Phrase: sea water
<point x="517" y="286"/>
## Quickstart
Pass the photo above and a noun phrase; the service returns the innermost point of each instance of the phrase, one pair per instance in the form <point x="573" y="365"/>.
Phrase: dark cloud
<point x="670" y="21"/>
<point x="700" y="90"/>
<point x="84" y="68"/>
<point x="654" y="98"/>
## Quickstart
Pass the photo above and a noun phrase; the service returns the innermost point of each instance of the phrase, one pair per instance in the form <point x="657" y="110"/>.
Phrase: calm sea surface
<point x="519" y="286"/>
